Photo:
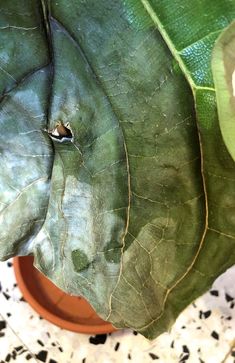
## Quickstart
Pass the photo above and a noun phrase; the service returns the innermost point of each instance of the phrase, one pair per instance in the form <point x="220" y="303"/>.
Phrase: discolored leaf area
<point x="114" y="171"/>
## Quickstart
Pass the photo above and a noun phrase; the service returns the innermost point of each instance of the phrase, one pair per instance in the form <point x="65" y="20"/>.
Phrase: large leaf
<point x="114" y="180"/>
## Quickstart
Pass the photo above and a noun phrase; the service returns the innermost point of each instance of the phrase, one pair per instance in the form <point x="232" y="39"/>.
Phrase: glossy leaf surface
<point x="223" y="67"/>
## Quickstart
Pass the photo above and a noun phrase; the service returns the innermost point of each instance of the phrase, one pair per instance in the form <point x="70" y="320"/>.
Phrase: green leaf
<point x="116" y="176"/>
<point x="223" y="66"/>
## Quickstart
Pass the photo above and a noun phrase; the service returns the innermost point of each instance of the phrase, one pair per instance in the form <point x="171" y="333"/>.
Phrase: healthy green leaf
<point x="223" y="66"/>
<point x="115" y="175"/>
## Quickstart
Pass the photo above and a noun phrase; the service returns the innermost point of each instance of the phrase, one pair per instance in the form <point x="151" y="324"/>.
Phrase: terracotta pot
<point x="68" y="312"/>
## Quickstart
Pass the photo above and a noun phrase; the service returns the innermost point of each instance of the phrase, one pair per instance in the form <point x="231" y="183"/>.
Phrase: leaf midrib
<point x="194" y="88"/>
<point x="172" y="48"/>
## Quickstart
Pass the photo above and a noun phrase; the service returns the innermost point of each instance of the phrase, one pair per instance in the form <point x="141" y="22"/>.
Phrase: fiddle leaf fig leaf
<point x="223" y="66"/>
<point x="115" y="174"/>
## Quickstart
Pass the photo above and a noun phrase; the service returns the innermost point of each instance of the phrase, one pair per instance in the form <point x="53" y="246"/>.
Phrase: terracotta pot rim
<point x="53" y="318"/>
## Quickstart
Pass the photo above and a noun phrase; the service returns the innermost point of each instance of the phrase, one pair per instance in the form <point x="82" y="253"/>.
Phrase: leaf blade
<point x="223" y="64"/>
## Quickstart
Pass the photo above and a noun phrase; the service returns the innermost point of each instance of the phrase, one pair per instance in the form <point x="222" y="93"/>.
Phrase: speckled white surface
<point x="204" y="332"/>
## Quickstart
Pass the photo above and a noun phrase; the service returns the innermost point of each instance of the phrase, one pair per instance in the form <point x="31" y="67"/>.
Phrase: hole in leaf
<point x="61" y="133"/>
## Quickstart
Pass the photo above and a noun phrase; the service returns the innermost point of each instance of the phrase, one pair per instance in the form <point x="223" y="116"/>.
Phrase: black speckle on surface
<point x="2" y="324"/>
<point x="135" y="332"/>
<point x="28" y="356"/>
<point x="8" y="358"/>
<point x="233" y="353"/>
<point x="8" y="314"/>
<point x="98" y="339"/>
<point x="185" y="354"/>
<point x="214" y="292"/>
<point x="42" y="355"/>
<point x="20" y="347"/>
<point x="15" y="284"/>
<point x="232" y="305"/>
<point x="0" y="287"/>
<point x="153" y="356"/>
<point x="201" y="361"/>
<point x="185" y="349"/>
<point x="48" y="334"/>
<point x="215" y="335"/>
<point x="6" y="295"/>
<point x="53" y="344"/>
<point x="205" y="314"/>
<point x="129" y="356"/>
<point x="84" y="360"/>
<point x="172" y="344"/>
<point x="184" y="358"/>
<point x="22" y="299"/>
<point x="198" y="327"/>
<point x="183" y="327"/>
<point x="228" y="298"/>
<point x="14" y="354"/>
<point x="40" y="317"/>
<point x="117" y="346"/>
<point x="2" y="334"/>
<point x="40" y="342"/>
<point x="229" y="318"/>
<point x="9" y="264"/>
<point x="60" y="349"/>
<point x="53" y="361"/>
